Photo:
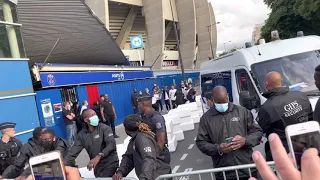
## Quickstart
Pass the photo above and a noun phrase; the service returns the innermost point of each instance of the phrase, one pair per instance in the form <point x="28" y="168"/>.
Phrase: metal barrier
<point x="210" y="173"/>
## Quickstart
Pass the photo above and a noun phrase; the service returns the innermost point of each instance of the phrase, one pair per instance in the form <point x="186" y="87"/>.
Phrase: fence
<point x="210" y="173"/>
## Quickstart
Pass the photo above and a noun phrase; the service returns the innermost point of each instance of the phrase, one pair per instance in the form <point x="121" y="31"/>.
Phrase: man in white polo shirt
<point x="172" y="95"/>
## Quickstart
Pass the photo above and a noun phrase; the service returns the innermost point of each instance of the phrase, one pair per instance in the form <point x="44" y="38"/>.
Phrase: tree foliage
<point x="291" y="16"/>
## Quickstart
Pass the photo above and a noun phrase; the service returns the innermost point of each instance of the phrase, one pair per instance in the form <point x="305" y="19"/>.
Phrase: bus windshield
<point x="297" y="70"/>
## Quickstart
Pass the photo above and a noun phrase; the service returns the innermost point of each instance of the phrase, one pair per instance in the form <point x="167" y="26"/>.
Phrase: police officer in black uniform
<point x="9" y="146"/>
<point x="156" y="122"/>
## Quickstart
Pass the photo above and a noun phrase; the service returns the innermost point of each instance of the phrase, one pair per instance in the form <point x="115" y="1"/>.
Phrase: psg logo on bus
<point x="51" y="80"/>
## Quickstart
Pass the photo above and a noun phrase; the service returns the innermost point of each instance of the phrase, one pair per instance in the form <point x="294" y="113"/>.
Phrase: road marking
<point x="186" y="177"/>
<point x="175" y="169"/>
<point x="183" y="157"/>
<point x="191" y="146"/>
<point x="195" y="138"/>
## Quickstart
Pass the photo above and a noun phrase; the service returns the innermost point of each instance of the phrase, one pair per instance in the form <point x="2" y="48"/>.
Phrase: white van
<point x="243" y="72"/>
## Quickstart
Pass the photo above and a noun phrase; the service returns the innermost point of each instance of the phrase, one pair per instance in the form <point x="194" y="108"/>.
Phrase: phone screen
<point x="302" y="142"/>
<point x="50" y="170"/>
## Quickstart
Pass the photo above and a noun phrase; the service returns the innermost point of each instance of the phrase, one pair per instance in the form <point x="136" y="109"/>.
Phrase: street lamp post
<point x="209" y="27"/>
<point x="224" y="44"/>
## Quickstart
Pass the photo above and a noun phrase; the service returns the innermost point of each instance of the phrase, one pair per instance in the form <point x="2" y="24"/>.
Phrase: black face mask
<point x="47" y="144"/>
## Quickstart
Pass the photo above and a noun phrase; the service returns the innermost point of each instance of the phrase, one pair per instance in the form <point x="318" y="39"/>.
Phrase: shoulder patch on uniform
<point x="158" y="125"/>
<point x="147" y="149"/>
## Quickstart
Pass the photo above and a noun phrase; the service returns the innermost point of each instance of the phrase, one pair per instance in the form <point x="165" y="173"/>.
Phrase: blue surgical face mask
<point x="94" y="120"/>
<point x="222" y="107"/>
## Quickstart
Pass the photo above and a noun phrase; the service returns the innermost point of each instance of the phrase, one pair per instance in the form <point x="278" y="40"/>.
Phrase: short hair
<point x="101" y="96"/>
<point x="317" y="69"/>
<point x="49" y="131"/>
<point x="84" y="102"/>
<point x="84" y="112"/>
<point x="131" y="122"/>
<point x="65" y="103"/>
<point x="37" y="132"/>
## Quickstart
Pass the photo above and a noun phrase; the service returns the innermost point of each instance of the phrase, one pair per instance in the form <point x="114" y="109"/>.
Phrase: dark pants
<point x="167" y="102"/>
<point x="174" y="104"/>
<point x="159" y="102"/>
<point x="106" y="172"/>
<point x="110" y="123"/>
<point x="155" y="106"/>
<point x="135" y="109"/>
<point x="166" y="154"/>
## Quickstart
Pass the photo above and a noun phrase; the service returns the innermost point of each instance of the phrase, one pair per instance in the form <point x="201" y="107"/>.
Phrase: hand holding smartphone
<point x="301" y="137"/>
<point x="47" y="166"/>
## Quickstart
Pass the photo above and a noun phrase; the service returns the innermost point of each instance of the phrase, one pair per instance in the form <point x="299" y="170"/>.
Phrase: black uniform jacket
<point x="31" y="148"/>
<point x="283" y="108"/>
<point x="101" y="140"/>
<point x="8" y="152"/>
<point x="144" y="154"/>
<point x="215" y="127"/>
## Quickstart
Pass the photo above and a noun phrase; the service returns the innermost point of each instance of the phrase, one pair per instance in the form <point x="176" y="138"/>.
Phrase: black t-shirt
<point x="65" y="113"/>
<point x="107" y="106"/>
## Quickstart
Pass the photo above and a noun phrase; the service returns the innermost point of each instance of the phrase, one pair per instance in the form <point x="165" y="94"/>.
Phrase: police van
<point x="243" y="72"/>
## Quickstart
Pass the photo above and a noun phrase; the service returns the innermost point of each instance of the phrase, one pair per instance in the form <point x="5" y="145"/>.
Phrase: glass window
<point x="244" y="82"/>
<point x="297" y="70"/>
<point x="209" y="81"/>
<point x="6" y="50"/>
<point x="11" y="43"/>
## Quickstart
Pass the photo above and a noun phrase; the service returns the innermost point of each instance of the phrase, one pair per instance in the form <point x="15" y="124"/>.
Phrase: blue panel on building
<point x="81" y="94"/>
<point x="15" y="78"/>
<point x="55" y="79"/>
<point x="23" y="111"/>
<point x="53" y="119"/>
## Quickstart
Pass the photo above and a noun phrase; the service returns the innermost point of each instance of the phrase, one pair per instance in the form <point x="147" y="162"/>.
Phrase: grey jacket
<point x="215" y="127"/>
<point x="144" y="154"/>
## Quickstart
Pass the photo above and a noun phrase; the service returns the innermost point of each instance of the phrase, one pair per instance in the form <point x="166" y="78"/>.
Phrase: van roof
<point x="275" y="49"/>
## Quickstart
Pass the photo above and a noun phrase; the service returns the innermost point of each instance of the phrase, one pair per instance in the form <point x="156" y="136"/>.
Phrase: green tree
<point x="291" y="16"/>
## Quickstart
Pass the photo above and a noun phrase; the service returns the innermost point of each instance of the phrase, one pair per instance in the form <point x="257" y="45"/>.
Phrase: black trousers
<point x="105" y="172"/>
<point x="159" y="102"/>
<point x="174" y="104"/>
<point x="135" y="109"/>
<point x="155" y="106"/>
<point x="167" y="102"/>
<point x="110" y="123"/>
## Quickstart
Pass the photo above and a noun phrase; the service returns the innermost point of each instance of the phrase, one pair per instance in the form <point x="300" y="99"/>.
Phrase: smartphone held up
<point x="301" y="137"/>
<point x="48" y="166"/>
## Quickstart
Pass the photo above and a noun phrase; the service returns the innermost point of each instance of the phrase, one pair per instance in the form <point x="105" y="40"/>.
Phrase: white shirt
<point x="154" y="100"/>
<point x="172" y="94"/>
<point x="166" y="95"/>
<point x="83" y="108"/>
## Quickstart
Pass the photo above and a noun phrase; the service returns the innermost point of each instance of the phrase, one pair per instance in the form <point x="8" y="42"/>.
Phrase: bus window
<point x="244" y="83"/>
<point x="209" y="81"/>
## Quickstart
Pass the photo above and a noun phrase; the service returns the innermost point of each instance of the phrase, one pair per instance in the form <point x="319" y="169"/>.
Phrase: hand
<point x="115" y="117"/>
<point x="310" y="163"/>
<point x="237" y="142"/>
<point x="93" y="163"/>
<point x="71" y="173"/>
<point x="117" y="176"/>
<point x="104" y="119"/>
<point x="225" y="148"/>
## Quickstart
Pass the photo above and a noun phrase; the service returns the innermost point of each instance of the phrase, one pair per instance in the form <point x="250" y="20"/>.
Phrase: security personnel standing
<point x="108" y="114"/>
<point x="156" y="123"/>
<point x="282" y="108"/>
<point x="9" y="146"/>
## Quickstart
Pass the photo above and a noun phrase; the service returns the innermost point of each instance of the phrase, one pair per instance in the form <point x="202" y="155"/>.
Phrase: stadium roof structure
<point x="83" y="37"/>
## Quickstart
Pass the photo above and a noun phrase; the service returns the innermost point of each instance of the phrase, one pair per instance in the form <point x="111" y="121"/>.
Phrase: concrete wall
<point x="155" y="28"/>
<point x="167" y="10"/>
<point x="213" y="30"/>
<point x="131" y="2"/>
<point x="101" y="10"/>
<point x="203" y="20"/>
<point x="187" y="23"/>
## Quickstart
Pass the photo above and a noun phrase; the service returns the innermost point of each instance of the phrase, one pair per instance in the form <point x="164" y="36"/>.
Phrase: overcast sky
<point x="237" y="19"/>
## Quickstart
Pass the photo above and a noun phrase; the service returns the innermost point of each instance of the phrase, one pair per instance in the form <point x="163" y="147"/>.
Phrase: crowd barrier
<point x="124" y="178"/>
<point x="210" y="173"/>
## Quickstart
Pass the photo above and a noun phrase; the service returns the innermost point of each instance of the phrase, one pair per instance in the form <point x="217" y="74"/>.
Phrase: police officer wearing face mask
<point x="227" y="133"/>
<point x="97" y="138"/>
<point x="9" y="146"/>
